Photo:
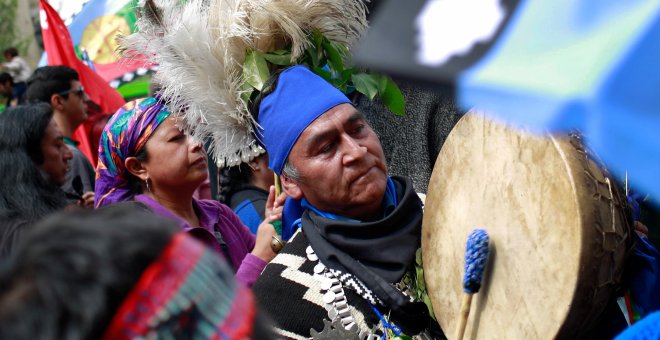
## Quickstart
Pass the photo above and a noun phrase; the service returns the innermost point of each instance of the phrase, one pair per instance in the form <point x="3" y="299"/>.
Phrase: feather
<point x="200" y="48"/>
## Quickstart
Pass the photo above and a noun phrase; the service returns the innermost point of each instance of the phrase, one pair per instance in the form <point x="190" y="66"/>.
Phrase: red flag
<point x="60" y="51"/>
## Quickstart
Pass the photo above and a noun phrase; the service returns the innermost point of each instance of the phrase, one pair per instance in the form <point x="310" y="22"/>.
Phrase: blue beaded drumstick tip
<point x="476" y="257"/>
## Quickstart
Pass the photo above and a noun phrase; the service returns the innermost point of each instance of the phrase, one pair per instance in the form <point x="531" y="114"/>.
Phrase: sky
<point x="67" y="8"/>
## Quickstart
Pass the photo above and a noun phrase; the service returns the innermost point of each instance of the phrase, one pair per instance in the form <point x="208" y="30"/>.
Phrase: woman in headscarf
<point x="144" y="156"/>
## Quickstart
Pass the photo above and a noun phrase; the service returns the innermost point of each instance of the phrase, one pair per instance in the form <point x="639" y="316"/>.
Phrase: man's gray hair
<point x="290" y="171"/>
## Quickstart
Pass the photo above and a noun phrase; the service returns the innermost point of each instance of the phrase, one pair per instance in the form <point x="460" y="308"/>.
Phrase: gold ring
<point x="276" y="244"/>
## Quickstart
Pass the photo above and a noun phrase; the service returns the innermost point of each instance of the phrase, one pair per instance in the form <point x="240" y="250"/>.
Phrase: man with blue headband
<point x="350" y="271"/>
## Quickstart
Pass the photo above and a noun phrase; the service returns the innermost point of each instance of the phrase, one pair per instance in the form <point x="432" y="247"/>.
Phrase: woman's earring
<point x="146" y="181"/>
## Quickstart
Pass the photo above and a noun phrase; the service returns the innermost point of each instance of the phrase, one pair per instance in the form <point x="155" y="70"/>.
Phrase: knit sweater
<point x="412" y="142"/>
<point x="290" y="294"/>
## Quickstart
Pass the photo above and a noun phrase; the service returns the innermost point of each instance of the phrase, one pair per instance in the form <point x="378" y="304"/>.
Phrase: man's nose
<point x="352" y="150"/>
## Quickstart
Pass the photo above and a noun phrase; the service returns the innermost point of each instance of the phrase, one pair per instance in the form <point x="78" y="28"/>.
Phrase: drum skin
<point x="558" y="231"/>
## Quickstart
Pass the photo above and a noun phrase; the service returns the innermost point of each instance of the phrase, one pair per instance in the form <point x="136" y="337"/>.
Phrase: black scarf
<point x="378" y="253"/>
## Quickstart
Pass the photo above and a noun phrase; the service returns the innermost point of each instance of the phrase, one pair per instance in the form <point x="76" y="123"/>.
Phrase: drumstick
<point x="278" y="190"/>
<point x="278" y="185"/>
<point x="476" y="256"/>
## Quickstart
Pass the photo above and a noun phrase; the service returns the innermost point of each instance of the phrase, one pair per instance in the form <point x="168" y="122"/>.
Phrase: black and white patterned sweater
<point x="293" y="298"/>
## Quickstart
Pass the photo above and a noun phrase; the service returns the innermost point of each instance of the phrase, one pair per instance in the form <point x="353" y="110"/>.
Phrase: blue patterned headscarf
<point x="124" y="136"/>
<point x="299" y="98"/>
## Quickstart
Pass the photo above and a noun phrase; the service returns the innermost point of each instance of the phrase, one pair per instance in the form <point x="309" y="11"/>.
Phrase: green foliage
<point x="137" y="88"/>
<point x="366" y="84"/>
<point x="391" y="95"/>
<point x="330" y="61"/>
<point x="255" y="70"/>
<point x="281" y="58"/>
<point x="128" y="12"/>
<point x="419" y="284"/>
<point x="8" y="36"/>
<point x="7" y="15"/>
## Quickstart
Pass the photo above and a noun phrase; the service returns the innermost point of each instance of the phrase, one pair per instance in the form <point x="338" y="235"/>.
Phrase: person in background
<point x="60" y="87"/>
<point x="33" y="164"/>
<point x="18" y="69"/>
<point x="244" y="188"/>
<point x="8" y="90"/>
<point x="121" y="273"/>
<point x="144" y="156"/>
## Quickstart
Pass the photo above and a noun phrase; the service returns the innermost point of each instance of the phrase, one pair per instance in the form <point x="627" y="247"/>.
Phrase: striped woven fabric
<point x="188" y="292"/>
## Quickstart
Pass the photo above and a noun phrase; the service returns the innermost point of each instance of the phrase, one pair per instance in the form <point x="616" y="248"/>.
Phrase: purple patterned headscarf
<point x="124" y="136"/>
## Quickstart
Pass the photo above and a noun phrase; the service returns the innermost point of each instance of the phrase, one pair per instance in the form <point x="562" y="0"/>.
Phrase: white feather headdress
<point x="200" y="47"/>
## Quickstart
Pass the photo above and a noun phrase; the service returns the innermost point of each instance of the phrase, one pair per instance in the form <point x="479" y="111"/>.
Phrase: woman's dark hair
<point x="72" y="273"/>
<point x="27" y="193"/>
<point x="73" y="270"/>
<point x="233" y="179"/>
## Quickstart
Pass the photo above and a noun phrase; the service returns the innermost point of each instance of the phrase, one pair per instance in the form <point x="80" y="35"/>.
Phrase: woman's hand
<point x="87" y="200"/>
<point x="641" y="229"/>
<point x="266" y="231"/>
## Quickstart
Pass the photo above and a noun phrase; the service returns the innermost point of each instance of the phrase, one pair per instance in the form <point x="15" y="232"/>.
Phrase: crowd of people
<point x="126" y="250"/>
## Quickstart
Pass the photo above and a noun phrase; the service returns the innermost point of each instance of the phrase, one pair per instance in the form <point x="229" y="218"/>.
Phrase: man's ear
<point x="57" y="102"/>
<point x="135" y="167"/>
<point x="291" y="188"/>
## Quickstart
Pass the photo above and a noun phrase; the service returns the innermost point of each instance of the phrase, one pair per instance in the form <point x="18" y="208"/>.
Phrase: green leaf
<point x="391" y="96"/>
<point x="366" y="84"/>
<point x="317" y="39"/>
<point x="334" y="56"/>
<point x="283" y="59"/>
<point x="312" y="57"/>
<point x="323" y="73"/>
<point x="255" y="69"/>
<point x="246" y="92"/>
<point x="318" y="44"/>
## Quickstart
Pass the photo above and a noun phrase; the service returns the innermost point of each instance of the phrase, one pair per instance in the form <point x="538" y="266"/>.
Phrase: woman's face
<point x="55" y="153"/>
<point x="174" y="161"/>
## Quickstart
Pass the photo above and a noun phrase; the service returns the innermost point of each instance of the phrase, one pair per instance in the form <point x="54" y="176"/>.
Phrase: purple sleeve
<point x="250" y="269"/>
<point x="251" y="266"/>
<point x="248" y="238"/>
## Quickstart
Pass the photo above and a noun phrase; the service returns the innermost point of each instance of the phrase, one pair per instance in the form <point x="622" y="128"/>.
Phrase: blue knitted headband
<point x="299" y="98"/>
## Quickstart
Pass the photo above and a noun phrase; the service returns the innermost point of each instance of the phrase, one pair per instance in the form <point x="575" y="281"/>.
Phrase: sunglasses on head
<point x="79" y="92"/>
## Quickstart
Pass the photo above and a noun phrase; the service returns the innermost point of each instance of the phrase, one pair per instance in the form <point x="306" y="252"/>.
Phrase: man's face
<point x="75" y="104"/>
<point x="341" y="165"/>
